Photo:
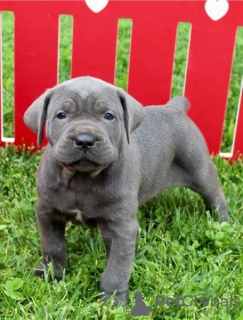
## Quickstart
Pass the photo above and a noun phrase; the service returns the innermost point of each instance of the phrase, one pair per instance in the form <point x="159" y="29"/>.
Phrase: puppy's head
<point x="87" y="122"/>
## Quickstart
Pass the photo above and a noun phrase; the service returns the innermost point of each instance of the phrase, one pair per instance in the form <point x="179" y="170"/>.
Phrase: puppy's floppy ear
<point x="133" y="112"/>
<point x="35" y="115"/>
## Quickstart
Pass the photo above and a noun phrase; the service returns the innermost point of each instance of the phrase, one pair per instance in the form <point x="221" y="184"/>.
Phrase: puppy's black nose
<point x="84" y="141"/>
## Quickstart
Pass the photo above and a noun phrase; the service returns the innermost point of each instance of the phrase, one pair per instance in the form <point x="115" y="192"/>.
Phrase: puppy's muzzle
<point x="84" y="141"/>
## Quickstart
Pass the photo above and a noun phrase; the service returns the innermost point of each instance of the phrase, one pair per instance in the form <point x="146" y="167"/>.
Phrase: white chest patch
<point x="78" y="214"/>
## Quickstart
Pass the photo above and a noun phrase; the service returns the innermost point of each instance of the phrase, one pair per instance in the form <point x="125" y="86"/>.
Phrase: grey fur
<point x="130" y="159"/>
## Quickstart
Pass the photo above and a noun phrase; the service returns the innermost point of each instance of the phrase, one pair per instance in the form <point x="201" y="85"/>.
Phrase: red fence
<point x="154" y="26"/>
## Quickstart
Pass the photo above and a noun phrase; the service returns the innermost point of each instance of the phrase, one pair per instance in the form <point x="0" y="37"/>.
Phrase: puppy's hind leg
<point x="205" y="182"/>
<point x="202" y="178"/>
<point x="195" y="169"/>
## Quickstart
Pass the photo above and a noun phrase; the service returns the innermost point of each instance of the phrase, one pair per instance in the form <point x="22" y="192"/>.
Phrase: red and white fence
<point x="153" y="39"/>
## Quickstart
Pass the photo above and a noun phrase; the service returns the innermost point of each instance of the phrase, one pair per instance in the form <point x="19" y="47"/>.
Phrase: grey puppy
<point x="107" y="155"/>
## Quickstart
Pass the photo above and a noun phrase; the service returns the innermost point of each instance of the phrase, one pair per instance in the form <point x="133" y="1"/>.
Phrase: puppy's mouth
<point x="85" y="163"/>
<point x="82" y="156"/>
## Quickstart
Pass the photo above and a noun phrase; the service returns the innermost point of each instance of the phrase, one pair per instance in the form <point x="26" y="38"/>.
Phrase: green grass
<point x="180" y="249"/>
<point x="8" y="73"/>
<point x="65" y="47"/>
<point x="123" y="51"/>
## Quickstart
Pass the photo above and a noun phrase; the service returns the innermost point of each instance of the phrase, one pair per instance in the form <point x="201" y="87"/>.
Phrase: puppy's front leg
<point x="120" y="240"/>
<point x="52" y="241"/>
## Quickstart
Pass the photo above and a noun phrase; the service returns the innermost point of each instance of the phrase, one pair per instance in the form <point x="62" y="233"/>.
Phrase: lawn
<point x="180" y="252"/>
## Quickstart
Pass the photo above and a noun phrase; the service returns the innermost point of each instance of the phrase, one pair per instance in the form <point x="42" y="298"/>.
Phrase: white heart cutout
<point x="96" y="5"/>
<point x="216" y="9"/>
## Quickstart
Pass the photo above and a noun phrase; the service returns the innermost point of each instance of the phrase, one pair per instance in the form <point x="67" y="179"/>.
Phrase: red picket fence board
<point x="154" y="26"/>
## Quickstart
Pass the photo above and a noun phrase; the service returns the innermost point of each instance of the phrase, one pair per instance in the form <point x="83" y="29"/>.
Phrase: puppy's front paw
<point x="119" y="298"/>
<point x="41" y="269"/>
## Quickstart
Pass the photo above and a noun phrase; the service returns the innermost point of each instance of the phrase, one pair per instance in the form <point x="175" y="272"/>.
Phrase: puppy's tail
<point x="179" y="102"/>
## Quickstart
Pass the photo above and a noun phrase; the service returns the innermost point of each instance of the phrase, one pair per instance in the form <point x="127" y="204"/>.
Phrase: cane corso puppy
<point x="107" y="155"/>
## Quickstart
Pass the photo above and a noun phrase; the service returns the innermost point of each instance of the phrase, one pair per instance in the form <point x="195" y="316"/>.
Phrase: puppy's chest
<point x="79" y="203"/>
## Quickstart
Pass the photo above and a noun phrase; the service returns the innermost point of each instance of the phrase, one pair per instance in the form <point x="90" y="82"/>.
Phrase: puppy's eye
<point x="61" y="115"/>
<point x="108" y="116"/>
